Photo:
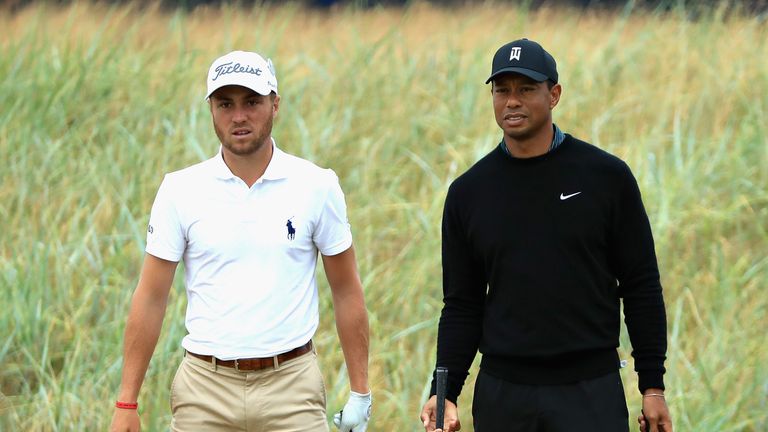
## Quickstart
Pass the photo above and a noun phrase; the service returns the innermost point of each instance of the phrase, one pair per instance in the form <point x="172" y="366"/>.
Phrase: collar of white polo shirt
<point x="276" y="169"/>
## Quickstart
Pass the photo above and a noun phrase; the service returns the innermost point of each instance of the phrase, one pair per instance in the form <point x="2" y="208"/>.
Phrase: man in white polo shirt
<point x="248" y="224"/>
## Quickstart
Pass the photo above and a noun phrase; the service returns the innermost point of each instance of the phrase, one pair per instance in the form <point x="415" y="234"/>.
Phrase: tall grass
<point x="96" y="103"/>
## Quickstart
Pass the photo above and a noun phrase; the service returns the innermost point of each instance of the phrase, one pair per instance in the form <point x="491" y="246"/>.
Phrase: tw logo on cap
<point x="514" y="54"/>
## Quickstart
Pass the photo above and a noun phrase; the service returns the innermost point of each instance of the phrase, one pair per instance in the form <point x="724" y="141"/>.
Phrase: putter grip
<point x="441" y="376"/>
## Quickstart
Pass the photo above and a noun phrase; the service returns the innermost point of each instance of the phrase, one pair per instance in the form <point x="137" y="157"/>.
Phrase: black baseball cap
<point x="525" y="57"/>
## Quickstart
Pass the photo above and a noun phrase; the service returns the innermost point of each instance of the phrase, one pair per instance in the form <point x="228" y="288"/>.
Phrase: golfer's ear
<point x="554" y="93"/>
<point x="275" y="106"/>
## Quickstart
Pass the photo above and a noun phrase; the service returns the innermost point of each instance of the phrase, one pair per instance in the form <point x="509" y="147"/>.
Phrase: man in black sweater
<point x="542" y="239"/>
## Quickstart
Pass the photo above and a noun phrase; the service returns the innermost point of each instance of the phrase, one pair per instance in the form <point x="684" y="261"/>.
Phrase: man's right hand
<point x="428" y="413"/>
<point x="125" y="420"/>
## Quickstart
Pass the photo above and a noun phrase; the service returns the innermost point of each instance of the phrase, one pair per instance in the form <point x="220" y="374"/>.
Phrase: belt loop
<point x="213" y="363"/>
<point x="276" y="362"/>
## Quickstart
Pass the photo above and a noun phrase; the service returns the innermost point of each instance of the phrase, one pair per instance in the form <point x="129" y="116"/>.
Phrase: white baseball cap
<point x="242" y="68"/>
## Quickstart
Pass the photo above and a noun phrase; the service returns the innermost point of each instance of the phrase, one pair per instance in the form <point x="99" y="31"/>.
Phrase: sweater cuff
<point x="451" y="393"/>
<point x="650" y="379"/>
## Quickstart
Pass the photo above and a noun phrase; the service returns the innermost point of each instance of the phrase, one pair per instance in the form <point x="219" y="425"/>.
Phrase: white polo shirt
<point x="249" y="253"/>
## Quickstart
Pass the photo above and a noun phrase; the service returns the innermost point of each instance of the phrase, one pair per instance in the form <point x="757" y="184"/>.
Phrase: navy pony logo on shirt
<point x="291" y="229"/>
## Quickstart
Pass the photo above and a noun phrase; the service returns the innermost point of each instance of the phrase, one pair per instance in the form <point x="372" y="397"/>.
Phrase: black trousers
<point x="595" y="405"/>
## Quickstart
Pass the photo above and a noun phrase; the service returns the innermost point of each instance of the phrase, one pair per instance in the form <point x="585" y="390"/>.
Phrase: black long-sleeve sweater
<point x="537" y="254"/>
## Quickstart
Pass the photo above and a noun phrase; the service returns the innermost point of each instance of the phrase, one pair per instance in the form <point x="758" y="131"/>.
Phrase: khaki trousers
<point x="288" y="398"/>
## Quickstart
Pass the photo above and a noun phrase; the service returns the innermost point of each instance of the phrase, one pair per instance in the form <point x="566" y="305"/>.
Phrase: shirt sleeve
<point x="165" y="236"/>
<point x="464" y="291"/>
<point x="332" y="233"/>
<point x="639" y="285"/>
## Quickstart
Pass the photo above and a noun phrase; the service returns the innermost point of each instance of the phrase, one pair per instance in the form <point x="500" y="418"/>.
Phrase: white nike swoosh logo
<point x="565" y="197"/>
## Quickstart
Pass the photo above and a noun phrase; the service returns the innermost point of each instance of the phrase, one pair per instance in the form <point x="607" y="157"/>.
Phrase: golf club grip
<point x="441" y="376"/>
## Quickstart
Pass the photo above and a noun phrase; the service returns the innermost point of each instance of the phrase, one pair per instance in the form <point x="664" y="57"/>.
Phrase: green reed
<point x="97" y="103"/>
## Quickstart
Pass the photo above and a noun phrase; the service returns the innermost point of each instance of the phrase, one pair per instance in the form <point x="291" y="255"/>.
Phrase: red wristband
<point x="127" y="405"/>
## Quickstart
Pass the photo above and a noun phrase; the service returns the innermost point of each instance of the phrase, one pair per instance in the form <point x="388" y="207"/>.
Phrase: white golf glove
<point x="354" y="417"/>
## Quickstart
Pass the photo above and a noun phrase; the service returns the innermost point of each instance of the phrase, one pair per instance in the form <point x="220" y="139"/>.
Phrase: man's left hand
<point x="655" y="416"/>
<point x="354" y="417"/>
